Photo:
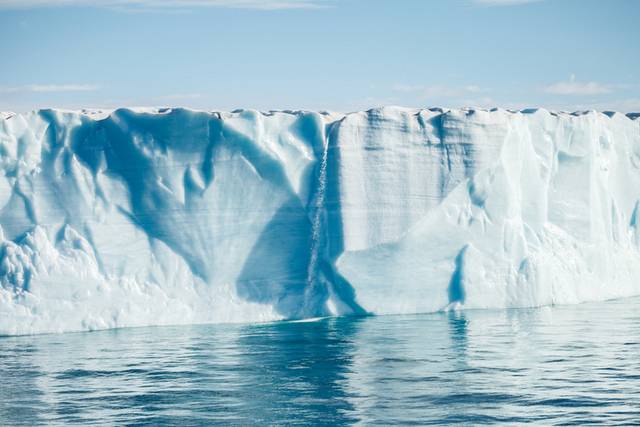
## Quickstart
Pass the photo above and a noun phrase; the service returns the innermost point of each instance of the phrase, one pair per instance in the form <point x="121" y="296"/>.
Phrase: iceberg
<point x="172" y="216"/>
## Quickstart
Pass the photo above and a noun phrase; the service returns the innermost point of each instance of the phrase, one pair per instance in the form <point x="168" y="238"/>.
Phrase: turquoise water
<point x="561" y="365"/>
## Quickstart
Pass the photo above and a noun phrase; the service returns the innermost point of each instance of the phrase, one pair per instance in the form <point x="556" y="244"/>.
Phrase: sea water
<point x="552" y="365"/>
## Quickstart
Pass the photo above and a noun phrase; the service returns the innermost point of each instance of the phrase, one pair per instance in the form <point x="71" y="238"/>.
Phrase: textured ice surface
<point x="171" y="216"/>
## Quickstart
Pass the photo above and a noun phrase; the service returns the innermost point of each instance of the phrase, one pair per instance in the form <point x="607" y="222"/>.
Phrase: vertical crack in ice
<point x="317" y="224"/>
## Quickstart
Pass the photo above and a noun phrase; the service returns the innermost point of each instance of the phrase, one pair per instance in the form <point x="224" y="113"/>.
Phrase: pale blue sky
<point x="339" y="55"/>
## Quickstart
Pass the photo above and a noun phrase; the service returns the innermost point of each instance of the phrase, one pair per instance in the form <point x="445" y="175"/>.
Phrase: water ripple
<point x="564" y="365"/>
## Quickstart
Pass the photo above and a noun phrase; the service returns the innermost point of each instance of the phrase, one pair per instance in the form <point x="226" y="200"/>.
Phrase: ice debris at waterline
<point x="172" y="216"/>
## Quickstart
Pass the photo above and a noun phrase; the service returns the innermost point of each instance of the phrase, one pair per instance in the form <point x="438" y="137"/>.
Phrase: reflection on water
<point x="552" y="365"/>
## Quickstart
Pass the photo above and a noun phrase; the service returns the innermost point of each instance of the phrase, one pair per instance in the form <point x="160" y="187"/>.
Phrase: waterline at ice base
<point x="171" y="216"/>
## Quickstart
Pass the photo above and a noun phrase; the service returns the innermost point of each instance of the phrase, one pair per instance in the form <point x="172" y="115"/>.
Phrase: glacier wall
<point x="170" y="216"/>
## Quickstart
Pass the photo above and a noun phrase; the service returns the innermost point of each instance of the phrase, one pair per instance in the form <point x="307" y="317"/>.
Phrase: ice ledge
<point x="146" y="216"/>
<point x="101" y="114"/>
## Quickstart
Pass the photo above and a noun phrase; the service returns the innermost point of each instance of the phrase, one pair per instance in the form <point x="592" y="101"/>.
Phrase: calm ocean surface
<point x="562" y="365"/>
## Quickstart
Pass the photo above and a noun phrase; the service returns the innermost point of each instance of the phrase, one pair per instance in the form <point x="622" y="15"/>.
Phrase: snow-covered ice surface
<point x="168" y="216"/>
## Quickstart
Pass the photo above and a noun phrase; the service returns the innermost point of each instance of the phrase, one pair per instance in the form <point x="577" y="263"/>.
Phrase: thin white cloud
<point x="47" y="88"/>
<point x="167" y="4"/>
<point x="473" y="96"/>
<point x="180" y="97"/>
<point x="504" y="2"/>
<point x="574" y="87"/>
<point x="438" y="91"/>
<point x="625" y="105"/>
<point x="482" y="102"/>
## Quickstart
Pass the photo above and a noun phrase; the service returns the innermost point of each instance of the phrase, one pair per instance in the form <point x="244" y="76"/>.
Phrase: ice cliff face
<point x="176" y="216"/>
